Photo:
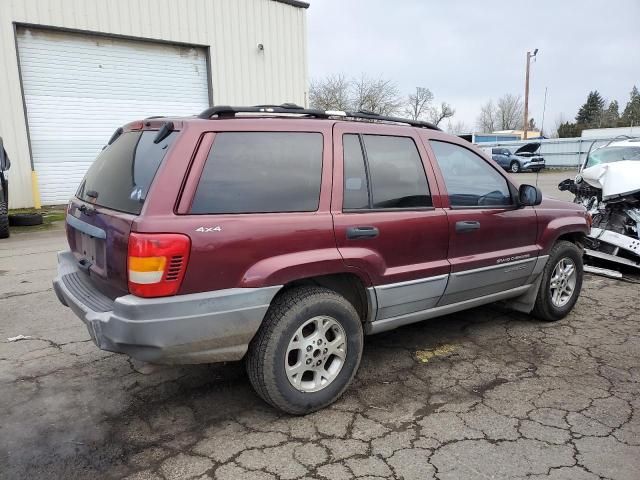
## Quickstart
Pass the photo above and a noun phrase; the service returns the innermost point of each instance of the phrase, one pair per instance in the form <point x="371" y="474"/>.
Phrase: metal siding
<point x="240" y="74"/>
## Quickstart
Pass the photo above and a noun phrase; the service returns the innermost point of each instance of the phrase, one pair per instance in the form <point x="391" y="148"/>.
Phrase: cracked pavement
<point x="486" y="393"/>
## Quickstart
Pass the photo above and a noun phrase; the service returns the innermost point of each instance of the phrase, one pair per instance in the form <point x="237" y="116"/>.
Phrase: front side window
<point x="383" y="172"/>
<point x="261" y="172"/>
<point x="470" y="180"/>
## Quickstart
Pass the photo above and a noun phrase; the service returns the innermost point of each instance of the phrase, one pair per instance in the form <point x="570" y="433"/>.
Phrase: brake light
<point x="156" y="263"/>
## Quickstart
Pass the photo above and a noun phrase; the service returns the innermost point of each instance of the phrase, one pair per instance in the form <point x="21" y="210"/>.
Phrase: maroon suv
<point x="282" y="235"/>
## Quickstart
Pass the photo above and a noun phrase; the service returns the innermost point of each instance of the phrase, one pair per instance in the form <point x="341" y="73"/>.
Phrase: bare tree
<point x="458" y="127"/>
<point x="560" y="119"/>
<point x="487" y="119"/>
<point x="505" y="114"/>
<point x="418" y="103"/>
<point x="439" y="113"/>
<point x="330" y="93"/>
<point x="375" y="95"/>
<point x="510" y="111"/>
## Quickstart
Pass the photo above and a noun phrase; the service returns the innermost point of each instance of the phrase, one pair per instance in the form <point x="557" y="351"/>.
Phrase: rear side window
<point x="470" y="180"/>
<point x="386" y="173"/>
<point x="261" y="172"/>
<point x="356" y="187"/>
<point x="122" y="174"/>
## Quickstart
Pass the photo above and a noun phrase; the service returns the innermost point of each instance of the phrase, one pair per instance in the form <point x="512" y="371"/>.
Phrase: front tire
<point x="514" y="167"/>
<point x="561" y="282"/>
<point x="306" y="351"/>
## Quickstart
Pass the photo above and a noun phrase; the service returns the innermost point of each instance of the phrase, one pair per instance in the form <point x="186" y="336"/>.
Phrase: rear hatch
<point x="108" y="201"/>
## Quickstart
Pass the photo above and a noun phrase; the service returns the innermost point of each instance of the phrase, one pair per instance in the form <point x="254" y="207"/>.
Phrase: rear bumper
<point x="196" y="328"/>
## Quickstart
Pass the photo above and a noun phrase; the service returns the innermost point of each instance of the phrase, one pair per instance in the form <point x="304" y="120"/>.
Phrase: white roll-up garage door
<point x="79" y="88"/>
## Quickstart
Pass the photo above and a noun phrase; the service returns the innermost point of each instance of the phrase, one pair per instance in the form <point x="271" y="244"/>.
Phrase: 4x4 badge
<point x="217" y="228"/>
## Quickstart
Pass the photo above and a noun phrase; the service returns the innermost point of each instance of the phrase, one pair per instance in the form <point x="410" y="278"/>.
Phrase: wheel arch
<point x="348" y="284"/>
<point x="573" y="237"/>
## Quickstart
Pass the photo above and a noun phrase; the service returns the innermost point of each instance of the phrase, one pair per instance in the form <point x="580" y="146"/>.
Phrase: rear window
<point x="122" y="174"/>
<point x="261" y="172"/>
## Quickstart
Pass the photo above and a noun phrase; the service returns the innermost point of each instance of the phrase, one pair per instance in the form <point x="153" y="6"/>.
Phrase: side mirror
<point x="529" y="196"/>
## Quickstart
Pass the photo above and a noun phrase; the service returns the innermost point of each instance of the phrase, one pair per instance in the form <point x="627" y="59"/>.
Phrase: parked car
<point x="282" y="236"/>
<point x="524" y="158"/>
<point x="5" y="164"/>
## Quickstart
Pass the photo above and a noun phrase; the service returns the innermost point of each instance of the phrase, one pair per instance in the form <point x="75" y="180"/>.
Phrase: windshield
<point x="612" y="154"/>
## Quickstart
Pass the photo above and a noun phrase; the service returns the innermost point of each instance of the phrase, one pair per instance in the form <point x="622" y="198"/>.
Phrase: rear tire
<point x="561" y="282"/>
<point x="4" y="220"/>
<point x="281" y="347"/>
<point x="514" y="167"/>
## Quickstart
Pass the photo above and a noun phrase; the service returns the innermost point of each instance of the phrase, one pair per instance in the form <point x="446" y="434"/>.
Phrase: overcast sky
<point x="467" y="52"/>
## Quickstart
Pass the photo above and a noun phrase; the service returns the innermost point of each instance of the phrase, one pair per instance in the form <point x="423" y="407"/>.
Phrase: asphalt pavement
<point x="485" y="393"/>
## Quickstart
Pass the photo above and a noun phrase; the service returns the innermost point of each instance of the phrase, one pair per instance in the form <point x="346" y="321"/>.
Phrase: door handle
<point x="362" y="232"/>
<point x="467" y="226"/>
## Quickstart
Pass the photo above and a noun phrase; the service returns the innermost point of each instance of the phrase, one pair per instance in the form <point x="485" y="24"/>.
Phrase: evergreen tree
<point x="611" y="116"/>
<point x="631" y="114"/>
<point x="569" y="130"/>
<point x="590" y="114"/>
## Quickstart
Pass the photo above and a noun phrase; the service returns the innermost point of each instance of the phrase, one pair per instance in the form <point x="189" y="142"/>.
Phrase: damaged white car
<point x="608" y="185"/>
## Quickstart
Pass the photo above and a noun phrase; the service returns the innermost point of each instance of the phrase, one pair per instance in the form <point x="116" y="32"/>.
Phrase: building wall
<point x="232" y="29"/>
<point x="611" y="132"/>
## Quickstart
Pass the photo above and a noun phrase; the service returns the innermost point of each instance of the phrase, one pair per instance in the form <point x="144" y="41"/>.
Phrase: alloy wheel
<point x="563" y="282"/>
<point x="316" y="354"/>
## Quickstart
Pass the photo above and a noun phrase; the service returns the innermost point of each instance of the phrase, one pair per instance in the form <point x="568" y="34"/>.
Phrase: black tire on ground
<point x="514" y="167"/>
<point x="25" y="219"/>
<point x="4" y="220"/>
<point x="265" y="361"/>
<point x="544" y="308"/>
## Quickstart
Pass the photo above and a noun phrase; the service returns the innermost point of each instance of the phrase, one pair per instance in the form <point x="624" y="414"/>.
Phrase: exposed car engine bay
<point x="608" y="186"/>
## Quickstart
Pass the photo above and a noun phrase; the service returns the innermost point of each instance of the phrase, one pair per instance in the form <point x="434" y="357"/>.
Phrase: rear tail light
<point x="156" y="263"/>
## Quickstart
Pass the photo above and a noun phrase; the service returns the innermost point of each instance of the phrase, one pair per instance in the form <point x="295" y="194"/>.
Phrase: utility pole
<point x="526" y="94"/>
<point x="544" y="109"/>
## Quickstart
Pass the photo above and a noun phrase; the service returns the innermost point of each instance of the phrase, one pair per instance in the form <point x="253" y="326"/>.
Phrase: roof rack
<point x="225" y="111"/>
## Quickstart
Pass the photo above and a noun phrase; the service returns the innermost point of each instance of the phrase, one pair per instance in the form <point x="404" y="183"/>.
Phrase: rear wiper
<point x="91" y="193"/>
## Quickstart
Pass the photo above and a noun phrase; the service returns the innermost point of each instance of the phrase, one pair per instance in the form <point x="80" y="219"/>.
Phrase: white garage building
<point x="72" y="71"/>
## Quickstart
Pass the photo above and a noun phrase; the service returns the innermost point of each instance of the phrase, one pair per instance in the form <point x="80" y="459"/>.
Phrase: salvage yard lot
<point x="485" y="393"/>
